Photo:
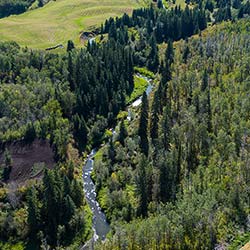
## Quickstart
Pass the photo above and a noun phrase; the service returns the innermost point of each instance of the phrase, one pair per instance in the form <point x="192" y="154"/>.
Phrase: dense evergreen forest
<point x="15" y="7"/>
<point x="11" y="7"/>
<point x="175" y="176"/>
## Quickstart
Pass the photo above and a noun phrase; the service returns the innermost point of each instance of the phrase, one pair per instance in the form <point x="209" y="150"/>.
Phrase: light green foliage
<point x="206" y="154"/>
<point x="145" y="72"/>
<point x="140" y="85"/>
<point x="61" y="20"/>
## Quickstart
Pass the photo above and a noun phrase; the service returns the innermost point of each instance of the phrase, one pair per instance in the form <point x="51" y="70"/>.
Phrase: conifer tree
<point x="153" y="60"/>
<point x="111" y="151"/>
<point x="166" y="128"/>
<point x="51" y="205"/>
<point x="143" y="125"/>
<point x="154" y="118"/>
<point x="69" y="208"/>
<point x="71" y="72"/>
<point x="70" y="46"/>
<point x="33" y="212"/>
<point x="122" y="133"/>
<point x="142" y="187"/>
<point x="77" y="193"/>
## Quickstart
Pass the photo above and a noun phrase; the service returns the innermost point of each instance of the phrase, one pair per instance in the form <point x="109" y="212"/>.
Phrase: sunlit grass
<point x="61" y="20"/>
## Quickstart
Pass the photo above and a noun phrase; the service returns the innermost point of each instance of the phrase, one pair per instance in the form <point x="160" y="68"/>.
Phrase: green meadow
<point x="61" y="20"/>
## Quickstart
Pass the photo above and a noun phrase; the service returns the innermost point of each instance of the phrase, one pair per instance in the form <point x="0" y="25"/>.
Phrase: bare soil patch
<point x="28" y="160"/>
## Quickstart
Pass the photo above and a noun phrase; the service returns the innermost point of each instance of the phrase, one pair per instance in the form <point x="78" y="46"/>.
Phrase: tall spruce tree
<point x="142" y="187"/>
<point x="155" y="118"/>
<point x="33" y="213"/>
<point x="122" y="133"/>
<point x="143" y="125"/>
<point x="153" y="59"/>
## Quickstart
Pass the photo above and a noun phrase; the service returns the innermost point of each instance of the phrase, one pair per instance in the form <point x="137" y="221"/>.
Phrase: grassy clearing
<point x="145" y="72"/>
<point x="61" y="20"/>
<point x="170" y="4"/>
<point x="140" y="86"/>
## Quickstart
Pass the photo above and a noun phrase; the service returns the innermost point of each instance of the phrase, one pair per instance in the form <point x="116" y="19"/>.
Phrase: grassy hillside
<point x="61" y="20"/>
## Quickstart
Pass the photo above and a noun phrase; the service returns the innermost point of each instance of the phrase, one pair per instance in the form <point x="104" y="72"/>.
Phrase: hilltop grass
<point x="61" y="20"/>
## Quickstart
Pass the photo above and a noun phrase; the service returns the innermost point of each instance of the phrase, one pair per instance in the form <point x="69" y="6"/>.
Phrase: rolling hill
<point x="61" y="20"/>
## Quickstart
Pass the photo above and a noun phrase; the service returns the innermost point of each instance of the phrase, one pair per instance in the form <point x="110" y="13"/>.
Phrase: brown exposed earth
<point x="246" y="247"/>
<point x="28" y="160"/>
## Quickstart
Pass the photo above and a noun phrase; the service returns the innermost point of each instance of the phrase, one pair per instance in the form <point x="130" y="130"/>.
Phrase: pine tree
<point x="77" y="193"/>
<point x="7" y="165"/>
<point x="111" y="151"/>
<point x="69" y="208"/>
<point x="66" y="186"/>
<point x="186" y="52"/>
<point x="80" y="131"/>
<point x="204" y="83"/>
<point x="143" y="125"/>
<point x="165" y="181"/>
<point x="30" y="133"/>
<point x="71" y="72"/>
<point x="166" y="128"/>
<point x="169" y="54"/>
<point x="153" y="59"/>
<point x="154" y="118"/>
<point x="33" y="212"/>
<point x="51" y="205"/>
<point x="168" y="61"/>
<point x="142" y="187"/>
<point x="70" y="46"/>
<point x="40" y="3"/>
<point x="122" y="133"/>
<point x="70" y="172"/>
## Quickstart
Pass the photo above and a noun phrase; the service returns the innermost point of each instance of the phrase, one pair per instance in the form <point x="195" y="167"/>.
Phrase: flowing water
<point x="100" y="224"/>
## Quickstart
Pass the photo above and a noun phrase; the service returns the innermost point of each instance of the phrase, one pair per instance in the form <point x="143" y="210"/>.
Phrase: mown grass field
<point x="61" y="20"/>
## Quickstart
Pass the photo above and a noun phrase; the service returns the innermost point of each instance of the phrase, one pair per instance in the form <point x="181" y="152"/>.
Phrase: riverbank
<point x="100" y="225"/>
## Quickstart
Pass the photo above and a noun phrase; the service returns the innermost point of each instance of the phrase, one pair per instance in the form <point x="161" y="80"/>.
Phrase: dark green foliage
<point x="142" y="187"/>
<point x="7" y="166"/>
<point x="77" y="193"/>
<point x="61" y="199"/>
<point x="166" y="128"/>
<point x="111" y="151"/>
<point x="166" y="179"/>
<point x="192" y="176"/>
<point x="40" y="3"/>
<point x="80" y="131"/>
<point x="223" y="14"/>
<point x="193" y="183"/>
<point x="30" y="133"/>
<point x="155" y="117"/>
<point x="186" y="53"/>
<point x="122" y="133"/>
<point x="70" y="46"/>
<point x="153" y="59"/>
<point x="166" y="24"/>
<point x="34" y="213"/>
<point x="168" y="61"/>
<point x="143" y="125"/>
<point x="10" y="7"/>
<point x="71" y="71"/>
<point x="244" y="10"/>
<point x="69" y="208"/>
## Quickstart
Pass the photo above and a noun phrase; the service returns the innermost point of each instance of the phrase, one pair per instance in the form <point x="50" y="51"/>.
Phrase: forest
<point x="175" y="175"/>
<point x="10" y="7"/>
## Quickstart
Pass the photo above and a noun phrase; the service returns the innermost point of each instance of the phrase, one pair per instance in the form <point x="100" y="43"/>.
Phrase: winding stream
<point x="100" y="225"/>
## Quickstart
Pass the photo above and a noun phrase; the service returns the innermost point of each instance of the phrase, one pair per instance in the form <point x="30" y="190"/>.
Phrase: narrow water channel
<point x="100" y="224"/>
